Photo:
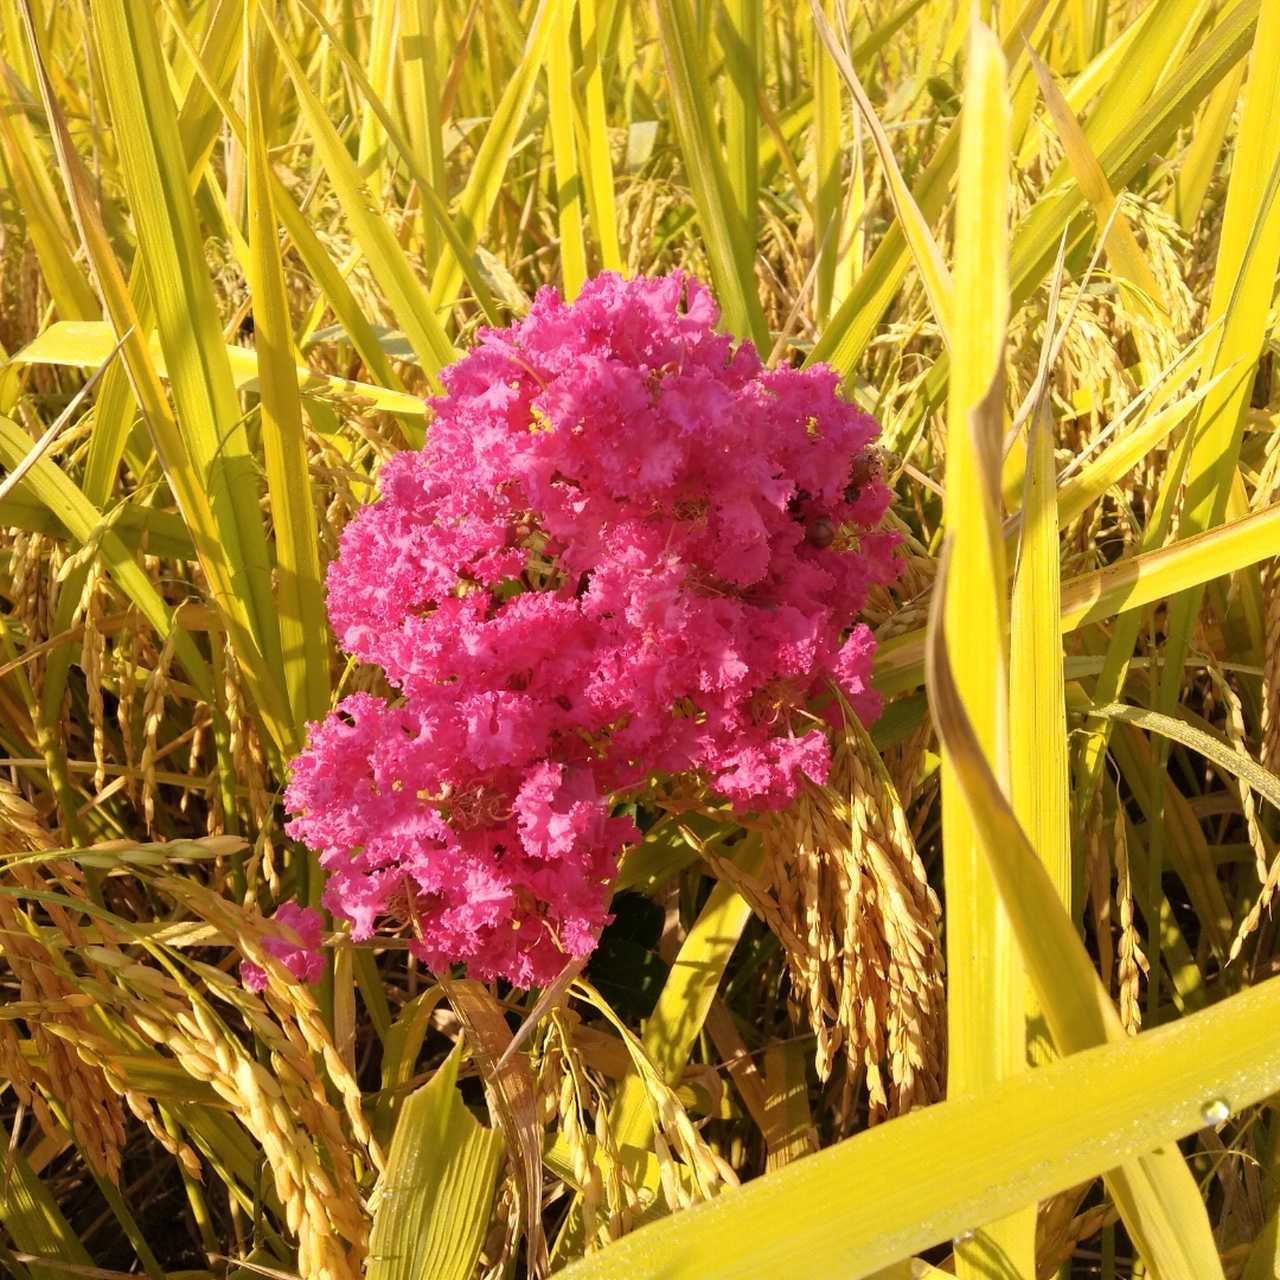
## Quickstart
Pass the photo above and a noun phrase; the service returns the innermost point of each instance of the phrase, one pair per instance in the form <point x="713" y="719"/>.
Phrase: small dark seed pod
<point x="820" y="532"/>
<point x="862" y="472"/>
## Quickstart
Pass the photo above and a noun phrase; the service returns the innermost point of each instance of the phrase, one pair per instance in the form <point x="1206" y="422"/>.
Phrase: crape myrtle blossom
<point x="305" y="962"/>
<point x="626" y="549"/>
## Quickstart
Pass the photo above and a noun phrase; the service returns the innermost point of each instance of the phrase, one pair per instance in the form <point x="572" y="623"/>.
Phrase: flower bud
<point x="820" y="532"/>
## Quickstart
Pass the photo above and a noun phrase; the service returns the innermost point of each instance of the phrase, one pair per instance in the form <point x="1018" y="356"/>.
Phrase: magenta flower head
<point x="626" y="550"/>
<point x="305" y="962"/>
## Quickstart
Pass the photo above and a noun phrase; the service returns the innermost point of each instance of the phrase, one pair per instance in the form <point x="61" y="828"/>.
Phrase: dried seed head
<point x="152" y="714"/>
<point x="1130" y="960"/>
<point x="858" y="923"/>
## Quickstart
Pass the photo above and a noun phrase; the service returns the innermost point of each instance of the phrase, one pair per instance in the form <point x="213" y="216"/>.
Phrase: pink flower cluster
<point x="305" y="962"/>
<point x="627" y="549"/>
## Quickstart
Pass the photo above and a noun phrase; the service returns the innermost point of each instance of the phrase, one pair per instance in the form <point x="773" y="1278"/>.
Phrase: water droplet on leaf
<point x="1215" y="1111"/>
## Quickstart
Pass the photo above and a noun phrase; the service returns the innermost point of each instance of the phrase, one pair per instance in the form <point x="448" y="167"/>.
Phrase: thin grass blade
<point x="168" y="440"/>
<point x="304" y="633"/>
<point x="740" y="36"/>
<point x="924" y="248"/>
<point x="484" y="182"/>
<point x="569" y="187"/>
<point x="1244" y="280"/>
<point x="1127" y="259"/>
<point x="597" y="167"/>
<point x="370" y="227"/>
<point x="730" y="250"/>
<point x="209" y="418"/>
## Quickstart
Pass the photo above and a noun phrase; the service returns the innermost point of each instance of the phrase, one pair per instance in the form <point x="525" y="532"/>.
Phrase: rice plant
<point x="942" y="945"/>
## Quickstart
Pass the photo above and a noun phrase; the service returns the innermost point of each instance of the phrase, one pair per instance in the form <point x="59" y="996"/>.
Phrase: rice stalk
<point x="859" y="924"/>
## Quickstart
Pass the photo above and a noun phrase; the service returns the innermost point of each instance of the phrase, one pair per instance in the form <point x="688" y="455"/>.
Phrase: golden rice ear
<point x="859" y="926"/>
<point x="1269" y="755"/>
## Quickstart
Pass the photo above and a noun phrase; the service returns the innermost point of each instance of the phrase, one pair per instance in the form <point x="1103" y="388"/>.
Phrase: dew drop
<point x="1215" y="1111"/>
<point x="964" y="1237"/>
